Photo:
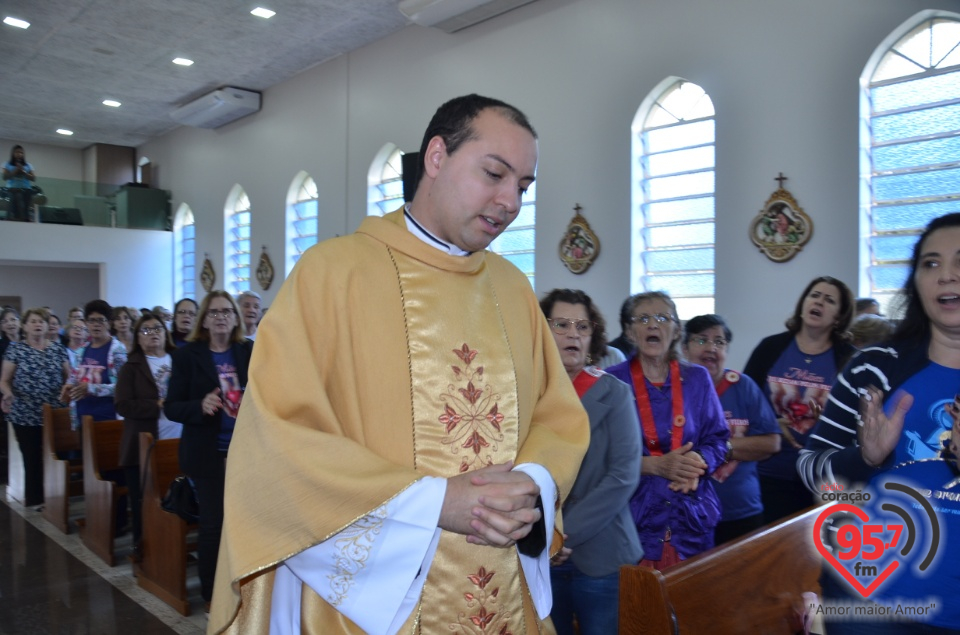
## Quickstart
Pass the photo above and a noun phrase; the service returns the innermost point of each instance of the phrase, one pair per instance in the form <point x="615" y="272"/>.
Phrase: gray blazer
<point x="596" y="515"/>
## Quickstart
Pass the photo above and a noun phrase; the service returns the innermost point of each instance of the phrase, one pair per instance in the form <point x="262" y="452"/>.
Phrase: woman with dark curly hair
<point x="796" y="369"/>
<point x="600" y="536"/>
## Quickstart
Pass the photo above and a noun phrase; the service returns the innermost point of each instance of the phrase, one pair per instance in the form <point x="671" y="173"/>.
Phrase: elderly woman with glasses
<point x="754" y="432"/>
<point x="600" y="536"/>
<point x="141" y="389"/>
<point x="684" y="436"/>
<point x="206" y="385"/>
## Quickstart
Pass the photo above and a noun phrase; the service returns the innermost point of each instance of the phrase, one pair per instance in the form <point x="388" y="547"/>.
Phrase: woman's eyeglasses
<point x="154" y="330"/>
<point x="645" y="318"/>
<point x="562" y="326"/>
<point x="215" y="313"/>
<point x="703" y="341"/>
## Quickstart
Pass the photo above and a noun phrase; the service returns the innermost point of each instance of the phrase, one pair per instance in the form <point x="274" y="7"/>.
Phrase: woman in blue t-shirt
<point x="889" y="417"/>
<point x="795" y="370"/>
<point x="206" y="385"/>
<point x="19" y="176"/>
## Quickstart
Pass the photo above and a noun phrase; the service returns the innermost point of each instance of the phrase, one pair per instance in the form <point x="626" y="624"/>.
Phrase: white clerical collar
<point x="420" y="232"/>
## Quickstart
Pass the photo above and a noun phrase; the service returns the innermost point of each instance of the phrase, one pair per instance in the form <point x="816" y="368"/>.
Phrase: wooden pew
<point x="62" y="477"/>
<point x="101" y="453"/>
<point x="163" y="570"/>
<point x="752" y="585"/>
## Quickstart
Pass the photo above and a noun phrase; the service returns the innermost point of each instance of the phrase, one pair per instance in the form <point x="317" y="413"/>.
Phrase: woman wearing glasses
<point x="94" y="380"/>
<point x="796" y="369"/>
<point x="206" y="386"/>
<point x="141" y="389"/>
<point x="600" y="536"/>
<point x="754" y="433"/>
<point x="684" y="436"/>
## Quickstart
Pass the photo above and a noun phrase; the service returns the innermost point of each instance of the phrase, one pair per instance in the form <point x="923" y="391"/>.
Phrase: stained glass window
<point x="673" y="197"/>
<point x="518" y="241"/>
<point x="911" y="149"/>
<point x="385" y="182"/>
<point x="237" y="243"/>
<point x="302" y="219"/>
<point x="184" y="253"/>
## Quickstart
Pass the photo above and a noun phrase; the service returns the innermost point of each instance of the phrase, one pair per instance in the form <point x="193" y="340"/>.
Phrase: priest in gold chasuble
<point x="408" y="430"/>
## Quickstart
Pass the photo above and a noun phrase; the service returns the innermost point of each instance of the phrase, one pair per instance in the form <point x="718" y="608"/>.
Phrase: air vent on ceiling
<point x="217" y="108"/>
<point x="453" y="15"/>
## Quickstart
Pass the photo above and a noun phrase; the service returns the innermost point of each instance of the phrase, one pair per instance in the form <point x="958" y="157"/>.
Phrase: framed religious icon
<point x="579" y="246"/>
<point x="265" y="270"/>
<point x="208" y="277"/>
<point x="782" y="228"/>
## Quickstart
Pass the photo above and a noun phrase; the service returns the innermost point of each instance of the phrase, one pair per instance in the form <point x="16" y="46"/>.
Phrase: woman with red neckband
<point x="599" y="532"/>
<point x="684" y="435"/>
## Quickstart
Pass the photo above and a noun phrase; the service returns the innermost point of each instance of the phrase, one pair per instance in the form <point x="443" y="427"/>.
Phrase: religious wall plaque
<point x="782" y="228"/>
<point x="579" y="246"/>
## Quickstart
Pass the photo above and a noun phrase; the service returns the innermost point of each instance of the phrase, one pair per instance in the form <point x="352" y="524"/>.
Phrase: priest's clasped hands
<point x="492" y="506"/>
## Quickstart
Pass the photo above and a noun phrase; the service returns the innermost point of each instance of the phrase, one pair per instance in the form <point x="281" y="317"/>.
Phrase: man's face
<point x="476" y="191"/>
<point x="250" y="309"/>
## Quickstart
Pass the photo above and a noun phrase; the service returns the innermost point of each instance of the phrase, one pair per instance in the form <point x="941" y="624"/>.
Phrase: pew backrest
<point x="752" y="585"/>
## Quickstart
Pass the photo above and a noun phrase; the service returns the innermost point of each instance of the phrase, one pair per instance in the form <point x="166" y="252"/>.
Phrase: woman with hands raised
<point x="892" y="414"/>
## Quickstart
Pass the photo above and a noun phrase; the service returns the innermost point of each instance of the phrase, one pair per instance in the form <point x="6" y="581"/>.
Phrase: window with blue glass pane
<point x="518" y="242"/>
<point x="911" y="110"/>
<point x="673" y="197"/>
<point x="238" y="243"/>
<point x="184" y="241"/>
<point x="385" y="182"/>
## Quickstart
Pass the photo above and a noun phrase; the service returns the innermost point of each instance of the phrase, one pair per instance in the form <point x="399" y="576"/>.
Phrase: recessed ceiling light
<point x="182" y="61"/>
<point x="113" y="103"/>
<point x="20" y="24"/>
<point x="64" y="131"/>
<point x="260" y="12"/>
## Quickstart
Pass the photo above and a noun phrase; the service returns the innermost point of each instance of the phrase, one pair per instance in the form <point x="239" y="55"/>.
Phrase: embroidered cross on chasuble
<point x="466" y="417"/>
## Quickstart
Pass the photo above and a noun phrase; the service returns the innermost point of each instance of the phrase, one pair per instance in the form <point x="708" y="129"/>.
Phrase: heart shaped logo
<point x="865" y="591"/>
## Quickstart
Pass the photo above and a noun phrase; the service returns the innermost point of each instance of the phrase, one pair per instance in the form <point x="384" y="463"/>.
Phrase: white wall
<point x="133" y="266"/>
<point x="56" y="286"/>
<point x="48" y="161"/>
<point x="783" y="76"/>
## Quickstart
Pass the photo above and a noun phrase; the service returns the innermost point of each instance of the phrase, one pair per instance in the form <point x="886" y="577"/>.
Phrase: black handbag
<point x="181" y="499"/>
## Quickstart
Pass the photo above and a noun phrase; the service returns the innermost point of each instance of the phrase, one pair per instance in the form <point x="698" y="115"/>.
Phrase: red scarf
<point x="650" y="438"/>
<point x="584" y="381"/>
<point x="729" y="378"/>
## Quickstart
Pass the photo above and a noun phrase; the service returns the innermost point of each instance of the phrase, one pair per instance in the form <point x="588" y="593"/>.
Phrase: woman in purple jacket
<point x="684" y="436"/>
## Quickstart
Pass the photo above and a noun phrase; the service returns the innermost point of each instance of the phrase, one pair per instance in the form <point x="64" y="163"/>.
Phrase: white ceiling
<point x="77" y="53"/>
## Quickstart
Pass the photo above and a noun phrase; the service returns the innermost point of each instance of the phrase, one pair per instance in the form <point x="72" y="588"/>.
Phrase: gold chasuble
<point x="383" y="360"/>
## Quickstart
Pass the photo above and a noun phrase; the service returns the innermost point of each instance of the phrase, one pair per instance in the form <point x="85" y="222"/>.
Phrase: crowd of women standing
<point x="722" y="453"/>
<point x="115" y="362"/>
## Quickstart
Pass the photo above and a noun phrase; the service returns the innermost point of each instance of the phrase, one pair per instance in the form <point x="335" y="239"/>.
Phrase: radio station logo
<point x="868" y="546"/>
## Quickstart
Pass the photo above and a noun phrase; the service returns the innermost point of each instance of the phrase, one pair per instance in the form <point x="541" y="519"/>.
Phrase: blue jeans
<point x="593" y="601"/>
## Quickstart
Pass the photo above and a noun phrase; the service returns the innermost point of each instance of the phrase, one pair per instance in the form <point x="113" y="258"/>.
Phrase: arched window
<point x="302" y="211"/>
<point x="385" y="181"/>
<point x="672" y="196"/>
<point x="518" y="241"/>
<point x="910" y="146"/>
<point x="184" y="253"/>
<point x="237" y="241"/>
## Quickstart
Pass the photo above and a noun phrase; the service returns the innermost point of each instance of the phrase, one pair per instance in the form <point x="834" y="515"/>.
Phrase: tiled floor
<point x="51" y="583"/>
